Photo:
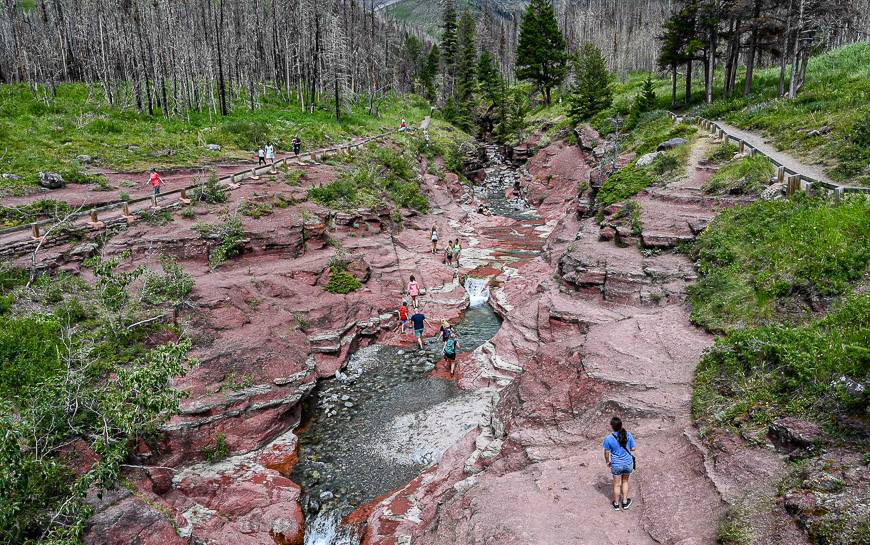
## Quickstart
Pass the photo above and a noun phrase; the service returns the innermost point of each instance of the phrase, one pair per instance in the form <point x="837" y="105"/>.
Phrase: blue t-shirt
<point x="419" y="321"/>
<point x="619" y="457"/>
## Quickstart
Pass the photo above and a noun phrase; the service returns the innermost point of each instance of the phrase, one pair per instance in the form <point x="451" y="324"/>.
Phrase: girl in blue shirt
<point x="618" y="449"/>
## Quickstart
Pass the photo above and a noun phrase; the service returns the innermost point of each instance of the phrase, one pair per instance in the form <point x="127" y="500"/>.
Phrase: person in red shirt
<point x="156" y="181"/>
<point x="403" y="316"/>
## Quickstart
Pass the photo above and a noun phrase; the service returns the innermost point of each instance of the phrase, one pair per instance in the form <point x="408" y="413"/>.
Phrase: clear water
<point x="343" y="461"/>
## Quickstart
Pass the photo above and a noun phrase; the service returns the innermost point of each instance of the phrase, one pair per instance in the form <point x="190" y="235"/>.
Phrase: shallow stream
<point x="382" y="420"/>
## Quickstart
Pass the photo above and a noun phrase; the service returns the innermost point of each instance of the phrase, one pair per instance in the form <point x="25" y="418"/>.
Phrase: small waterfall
<point x="478" y="290"/>
<point x="326" y="529"/>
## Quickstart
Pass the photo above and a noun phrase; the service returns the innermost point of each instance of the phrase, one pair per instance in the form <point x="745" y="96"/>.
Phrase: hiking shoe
<point x="615" y="506"/>
<point x="626" y="504"/>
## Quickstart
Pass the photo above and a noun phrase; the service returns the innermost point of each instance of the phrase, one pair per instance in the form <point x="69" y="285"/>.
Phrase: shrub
<point x="342" y="282"/>
<point x="294" y="177"/>
<point x="220" y="451"/>
<point x="255" y="210"/>
<point x="723" y="153"/>
<point x="210" y="192"/>
<point x="229" y="236"/>
<point x="746" y="176"/>
<point x="28" y="353"/>
<point x="27" y="213"/>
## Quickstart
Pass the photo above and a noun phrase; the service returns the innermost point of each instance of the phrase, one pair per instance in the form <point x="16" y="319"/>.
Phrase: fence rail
<point x="794" y="180"/>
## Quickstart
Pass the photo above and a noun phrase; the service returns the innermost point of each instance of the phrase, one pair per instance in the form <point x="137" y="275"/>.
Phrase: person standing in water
<point x="450" y="344"/>
<point x="434" y="237"/>
<point x="618" y="448"/>
<point x="414" y="292"/>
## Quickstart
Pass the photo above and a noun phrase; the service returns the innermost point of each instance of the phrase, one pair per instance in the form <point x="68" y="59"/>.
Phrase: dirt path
<point x="785" y="159"/>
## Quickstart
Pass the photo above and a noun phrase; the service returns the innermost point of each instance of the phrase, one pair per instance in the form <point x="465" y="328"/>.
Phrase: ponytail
<point x="621" y="434"/>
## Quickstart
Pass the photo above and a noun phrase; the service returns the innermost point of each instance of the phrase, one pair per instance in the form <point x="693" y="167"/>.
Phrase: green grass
<point x="773" y="261"/>
<point x="754" y="375"/>
<point x="632" y="179"/>
<point x="836" y="94"/>
<point x="746" y="176"/>
<point x="380" y="174"/>
<point x="36" y="136"/>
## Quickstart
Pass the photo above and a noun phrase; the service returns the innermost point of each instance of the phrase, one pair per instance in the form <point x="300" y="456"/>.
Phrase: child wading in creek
<point x="450" y="344"/>
<point x="618" y="449"/>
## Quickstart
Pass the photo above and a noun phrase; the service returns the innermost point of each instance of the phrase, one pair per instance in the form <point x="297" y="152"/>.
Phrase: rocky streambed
<point x="382" y="420"/>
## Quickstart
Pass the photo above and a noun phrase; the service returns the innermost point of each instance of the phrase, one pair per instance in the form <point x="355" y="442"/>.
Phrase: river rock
<point x="212" y="147"/>
<point x="672" y="143"/>
<point x="51" y="180"/>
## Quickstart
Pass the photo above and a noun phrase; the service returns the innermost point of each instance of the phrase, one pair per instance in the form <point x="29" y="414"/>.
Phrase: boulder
<point x="648" y="159"/>
<point x="791" y="433"/>
<point x="672" y="143"/>
<point x="51" y="180"/>
<point x="588" y="138"/>
<point x="604" y="150"/>
<point x="84" y="159"/>
<point x="212" y="147"/>
<point x="359" y="269"/>
<point x="85" y="249"/>
<point x="10" y="176"/>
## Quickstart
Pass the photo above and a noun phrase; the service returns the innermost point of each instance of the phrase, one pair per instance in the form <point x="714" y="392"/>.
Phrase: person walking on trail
<point x="414" y="292"/>
<point x="434" y="239"/>
<point x="270" y="153"/>
<point x="457" y="248"/>
<point x="618" y="449"/>
<point x="261" y="156"/>
<point x="419" y="320"/>
<point x="156" y="181"/>
<point x="403" y="316"/>
<point x="297" y="146"/>
<point x="448" y="253"/>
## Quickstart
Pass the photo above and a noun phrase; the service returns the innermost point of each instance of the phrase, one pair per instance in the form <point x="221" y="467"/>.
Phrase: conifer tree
<point x="430" y="72"/>
<point x="449" y="42"/>
<point x="646" y="99"/>
<point x="489" y="80"/>
<point x="541" y="55"/>
<point x="466" y="58"/>
<point x="591" y="92"/>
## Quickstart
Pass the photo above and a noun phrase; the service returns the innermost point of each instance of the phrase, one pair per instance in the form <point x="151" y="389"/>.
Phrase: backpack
<point x="450" y="346"/>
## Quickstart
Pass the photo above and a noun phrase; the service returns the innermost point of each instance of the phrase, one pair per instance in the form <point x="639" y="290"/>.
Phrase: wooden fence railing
<point x="795" y="181"/>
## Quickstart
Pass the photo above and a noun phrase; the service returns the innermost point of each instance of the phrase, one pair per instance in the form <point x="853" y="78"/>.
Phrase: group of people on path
<point x="451" y="252"/>
<point x="418" y="322"/>
<point x="266" y="154"/>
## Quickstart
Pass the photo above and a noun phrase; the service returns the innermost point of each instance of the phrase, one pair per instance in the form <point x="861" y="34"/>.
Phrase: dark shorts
<point x="449" y="356"/>
<point x="620" y="470"/>
<point x="157" y="190"/>
<point x="418" y="333"/>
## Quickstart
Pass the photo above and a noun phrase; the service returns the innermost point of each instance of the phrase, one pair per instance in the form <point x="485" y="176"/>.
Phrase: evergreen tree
<point x="591" y="92"/>
<point x="430" y="72"/>
<point x="541" y="55"/>
<point x="489" y="80"/>
<point x="646" y="100"/>
<point x="514" y="108"/>
<point x="466" y="58"/>
<point x="448" y="36"/>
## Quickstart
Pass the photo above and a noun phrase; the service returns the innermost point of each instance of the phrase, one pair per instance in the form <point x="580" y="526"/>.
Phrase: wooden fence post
<point x="780" y="174"/>
<point x="34" y="231"/>
<point x="742" y="145"/>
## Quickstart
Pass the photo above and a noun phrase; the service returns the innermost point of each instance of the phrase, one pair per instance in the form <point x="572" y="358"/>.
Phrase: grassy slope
<point x="35" y="136"/>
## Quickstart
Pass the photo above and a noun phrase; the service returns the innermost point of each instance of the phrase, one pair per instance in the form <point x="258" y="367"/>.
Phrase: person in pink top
<point x="156" y="181"/>
<point x="414" y="291"/>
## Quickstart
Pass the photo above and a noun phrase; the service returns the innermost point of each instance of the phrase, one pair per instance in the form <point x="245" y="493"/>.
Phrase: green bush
<point x="229" y="236"/>
<point x="28" y="353"/>
<point x="769" y="260"/>
<point x="723" y="153"/>
<point x="209" y="192"/>
<point x="342" y="282"/>
<point x="255" y="210"/>
<point x="38" y="210"/>
<point x="219" y="451"/>
<point x="745" y="176"/>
